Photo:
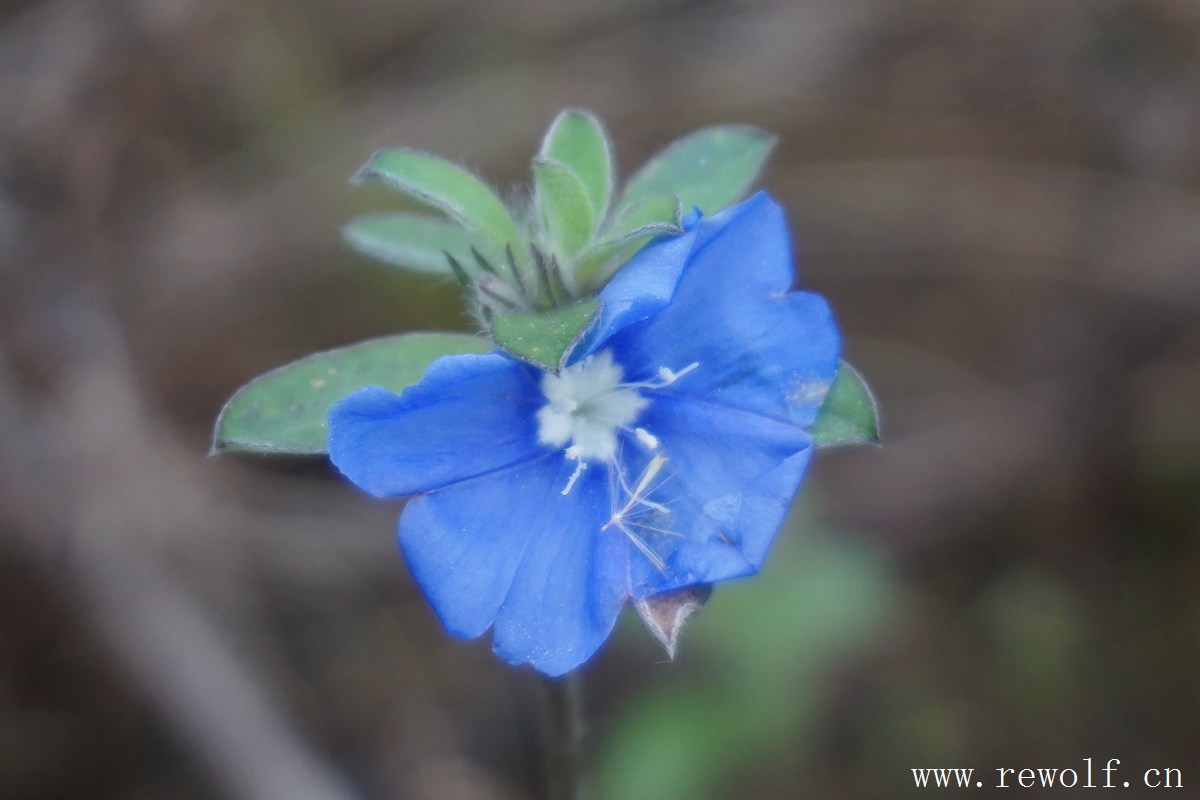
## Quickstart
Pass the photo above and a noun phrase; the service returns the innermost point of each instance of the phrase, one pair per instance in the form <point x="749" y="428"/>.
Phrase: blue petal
<point x="756" y="348"/>
<point x="571" y="584"/>
<point x="775" y="356"/>
<point x="745" y="249"/>
<point x="732" y="476"/>
<point x="640" y="289"/>
<point x="741" y="246"/>
<point x="469" y="415"/>
<point x="509" y="548"/>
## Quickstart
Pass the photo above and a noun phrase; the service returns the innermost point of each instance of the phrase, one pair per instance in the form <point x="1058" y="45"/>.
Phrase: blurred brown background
<point x="1001" y="199"/>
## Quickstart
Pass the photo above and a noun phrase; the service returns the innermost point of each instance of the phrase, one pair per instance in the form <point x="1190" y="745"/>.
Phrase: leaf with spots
<point x="545" y="339"/>
<point x="285" y="410"/>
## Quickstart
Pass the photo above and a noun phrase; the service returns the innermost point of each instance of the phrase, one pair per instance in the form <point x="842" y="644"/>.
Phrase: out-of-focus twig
<point x="83" y="465"/>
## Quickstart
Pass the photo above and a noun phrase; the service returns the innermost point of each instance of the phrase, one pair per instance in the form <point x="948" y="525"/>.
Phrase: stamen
<point x="666" y="376"/>
<point x="653" y="506"/>
<point x="580" y="466"/>
<point x="669" y="375"/>
<point x="648" y="439"/>
<point x="652" y="469"/>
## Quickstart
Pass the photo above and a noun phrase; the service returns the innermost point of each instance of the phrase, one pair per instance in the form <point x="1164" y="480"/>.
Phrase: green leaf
<point x="285" y="410"/>
<point x="578" y="140"/>
<point x="415" y="241"/>
<point x="563" y="205"/>
<point x="849" y="414"/>
<point x="708" y="169"/>
<point x="546" y="339"/>
<point x="447" y="187"/>
<point x="657" y="216"/>
<point x="651" y="217"/>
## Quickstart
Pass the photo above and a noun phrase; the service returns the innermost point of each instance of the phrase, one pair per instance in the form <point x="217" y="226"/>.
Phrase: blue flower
<point x="665" y="455"/>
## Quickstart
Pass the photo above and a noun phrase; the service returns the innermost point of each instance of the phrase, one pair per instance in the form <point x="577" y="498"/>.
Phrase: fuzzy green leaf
<point x="415" y="241"/>
<point x="651" y="217"/>
<point x="849" y="414"/>
<point x="563" y="205"/>
<point x="578" y="140"/>
<point x="708" y="169"/>
<point x="447" y="187"/>
<point x="657" y="216"/>
<point x="545" y="339"/>
<point x="285" y="410"/>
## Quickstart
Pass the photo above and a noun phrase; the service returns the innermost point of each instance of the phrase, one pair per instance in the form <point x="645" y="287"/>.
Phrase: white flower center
<point x="586" y="404"/>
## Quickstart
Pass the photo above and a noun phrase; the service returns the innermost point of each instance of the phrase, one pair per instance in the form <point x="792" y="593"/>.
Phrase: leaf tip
<point x="367" y="171"/>
<point x="220" y="443"/>
<point x="593" y="314"/>
<point x="768" y="139"/>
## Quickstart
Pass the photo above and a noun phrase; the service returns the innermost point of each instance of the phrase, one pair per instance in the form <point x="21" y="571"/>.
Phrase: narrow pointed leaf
<point x="708" y="169"/>
<point x="545" y="340"/>
<point x="415" y="241"/>
<point x="285" y="410"/>
<point x="563" y="205"/>
<point x="447" y="187"/>
<point x="849" y="414"/>
<point x="578" y="140"/>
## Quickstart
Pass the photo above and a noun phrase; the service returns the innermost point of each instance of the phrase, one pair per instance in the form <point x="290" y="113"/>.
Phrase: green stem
<point x="562" y="735"/>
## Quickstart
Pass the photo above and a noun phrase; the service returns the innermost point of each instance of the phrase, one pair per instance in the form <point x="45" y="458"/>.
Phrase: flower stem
<point x="562" y="734"/>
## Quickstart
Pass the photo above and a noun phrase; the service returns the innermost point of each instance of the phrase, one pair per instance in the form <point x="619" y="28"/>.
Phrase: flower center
<point x="586" y="404"/>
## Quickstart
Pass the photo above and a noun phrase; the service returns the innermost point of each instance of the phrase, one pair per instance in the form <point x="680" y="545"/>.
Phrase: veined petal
<point x="731" y="476"/>
<point x="465" y="542"/>
<point x="510" y="548"/>
<point x="756" y="347"/>
<point x="469" y="415"/>
<point x="571" y="584"/>
<point x="775" y="356"/>
<point x="745" y="250"/>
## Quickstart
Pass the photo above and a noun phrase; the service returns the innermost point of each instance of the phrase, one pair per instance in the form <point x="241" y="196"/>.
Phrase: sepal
<point x="849" y="414"/>
<point x="665" y="614"/>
